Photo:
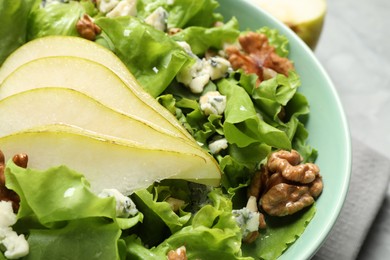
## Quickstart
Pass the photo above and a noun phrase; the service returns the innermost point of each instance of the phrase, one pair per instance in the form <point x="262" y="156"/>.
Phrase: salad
<point x="234" y="91"/>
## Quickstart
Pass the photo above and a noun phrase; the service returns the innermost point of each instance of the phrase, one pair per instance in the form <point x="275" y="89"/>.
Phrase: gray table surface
<point x="355" y="50"/>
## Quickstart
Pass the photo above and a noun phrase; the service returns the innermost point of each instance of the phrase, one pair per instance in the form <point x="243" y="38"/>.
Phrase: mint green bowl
<point x="327" y="126"/>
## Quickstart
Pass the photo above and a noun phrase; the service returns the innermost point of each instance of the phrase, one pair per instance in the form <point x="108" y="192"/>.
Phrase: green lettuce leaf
<point x="55" y="19"/>
<point x="184" y="105"/>
<point x="213" y="230"/>
<point x="67" y="219"/>
<point x="14" y="20"/>
<point x="279" y="41"/>
<point x="136" y="250"/>
<point x="159" y="219"/>
<point x="242" y="125"/>
<point x="79" y="239"/>
<point x="182" y="13"/>
<point x="273" y="94"/>
<point x="300" y="144"/>
<point x="67" y="195"/>
<point x="280" y="233"/>
<point x="212" y="227"/>
<point x="153" y="58"/>
<point x="201" y="38"/>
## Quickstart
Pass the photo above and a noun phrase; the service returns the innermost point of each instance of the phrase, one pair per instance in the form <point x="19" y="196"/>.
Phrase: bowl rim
<point x="345" y="132"/>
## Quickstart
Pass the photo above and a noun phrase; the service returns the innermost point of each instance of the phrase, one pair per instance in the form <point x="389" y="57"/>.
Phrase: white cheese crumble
<point x="15" y="245"/>
<point x="218" y="67"/>
<point x="218" y="145"/>
<point x="105" y="6"/>
<point x="195" y="77"/>
<point x="158" y="19"/>
<point x="247" y="220"/>
<point x="198" y="83"/>
<point x="202" y="71"/>
<point x="123" y="8"/>
<point x="125" y="207"/>
<point x="212" y="103"/>
<point x="187" y="48"/>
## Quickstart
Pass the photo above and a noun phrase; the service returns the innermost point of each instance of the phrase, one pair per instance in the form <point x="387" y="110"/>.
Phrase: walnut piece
<point x="287" y="163"/>
<point x="285" y="199"/>
<point x="285" y="185"/>
<point x="87" y="28"/>
<point x="6" y="194"/>
<point x="316" y="187"/>
<point x="255" y="55"/>
<point x="258" y="181"/>
<point x="178" y="254"/>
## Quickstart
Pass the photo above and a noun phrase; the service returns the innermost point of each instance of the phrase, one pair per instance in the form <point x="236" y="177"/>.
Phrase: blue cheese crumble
<point x="248" y="218"/>
<point x="116" y="8"/>
<point x="212" y="103"/>
<point x="197" y="76"/>
<point x="158" y="19"/>
<point x="125" y="207"/>
<point x="15" y="245"/>
<point x="218" y="145"/>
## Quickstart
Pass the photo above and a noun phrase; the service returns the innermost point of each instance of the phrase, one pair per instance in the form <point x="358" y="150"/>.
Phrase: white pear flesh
<point x="82" y="48"/>
<point x="104" y="163"/>
<point x="90" y="78"/>
<point x="49" y="106"/>
<point x="304" y="17"/>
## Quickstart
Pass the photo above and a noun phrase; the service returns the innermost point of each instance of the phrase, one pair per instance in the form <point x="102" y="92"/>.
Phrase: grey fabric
<point x="377" y="243"/>
<point x="368" y="186"/>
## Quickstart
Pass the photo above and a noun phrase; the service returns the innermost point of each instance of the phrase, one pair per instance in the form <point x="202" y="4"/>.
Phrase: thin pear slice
<point x="79" y="47"/>
<point x="47" y="106"/>
<point x="90" y="78"/>
<point x="105" y="163"/>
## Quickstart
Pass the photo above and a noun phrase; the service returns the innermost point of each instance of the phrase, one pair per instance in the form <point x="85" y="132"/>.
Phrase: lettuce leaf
<point x="67" y="195"/>
<point x="242" y="125"/>
<point x="273" y="94"/>
<point x="159" y="219"/>
<point x="55" y="19"/>
<point x="202" y="38"/>
<point x="182" y="13"/>
<point x="79" y="239"/>
<point x="212" y="227"/>
<point x="67" y="219"/>
<point x="136" y="250"/>
<point x="279" y="41"/>
<point x="14" y="20"/>
<point x="153" y="58"/>
<point x="281" y="232"/>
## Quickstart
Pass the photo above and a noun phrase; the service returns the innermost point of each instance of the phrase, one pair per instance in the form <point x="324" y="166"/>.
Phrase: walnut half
<point x="87" y="28"/>
<point x="255" y="55"/>
<point x="285" y="185"/>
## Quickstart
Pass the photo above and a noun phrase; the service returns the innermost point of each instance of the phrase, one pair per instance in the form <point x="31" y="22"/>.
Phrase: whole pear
<point x="304" y="17"/>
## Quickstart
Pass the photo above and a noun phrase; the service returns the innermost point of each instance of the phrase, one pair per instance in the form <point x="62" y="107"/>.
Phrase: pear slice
<point x="47" y="106"/>
<point x="82" y="48"/>
<point x="304" y="17"/>
<point x="90" y="78"/>
<point x="106" y="163"/>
